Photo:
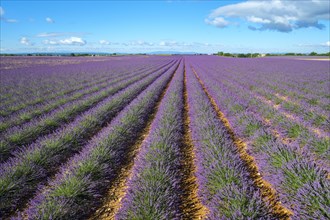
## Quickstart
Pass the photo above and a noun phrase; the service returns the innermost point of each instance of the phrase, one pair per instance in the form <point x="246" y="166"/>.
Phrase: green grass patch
<point x="319" y="120"/>
<point x="296" y="177"/>
<point x="295" y="131"/>
<point x="237" y="108"/>
<point x="220" y="178"/>
<point x="281" y="157"/>
<point x="277" y="101"/>
<point x="251" y="128"/>
<point x="260" y="141"/>
<point x="313" y="101"/>
<point x="320" y="147"/>
<point x="292" y="107"/>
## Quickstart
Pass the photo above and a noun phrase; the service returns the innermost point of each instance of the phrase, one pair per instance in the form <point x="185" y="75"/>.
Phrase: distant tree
<point x="313" y="54"/>
<point x="227" y="55"/>
<point x="242" y="55"/>
<point x="324" y="54"/>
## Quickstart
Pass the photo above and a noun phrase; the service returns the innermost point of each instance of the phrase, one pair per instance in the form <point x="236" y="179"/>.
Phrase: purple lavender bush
<point x="17" y="179"/>
<point x="154" y="189"/>
<point x="83" y="180"/>
<point x="225" y="186"/>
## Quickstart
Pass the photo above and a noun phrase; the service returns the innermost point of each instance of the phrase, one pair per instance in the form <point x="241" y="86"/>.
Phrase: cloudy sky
<point x="145" y="26"/>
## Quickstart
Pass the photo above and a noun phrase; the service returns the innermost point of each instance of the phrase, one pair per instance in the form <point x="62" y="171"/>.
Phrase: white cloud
<point x="52" y="34"/>
<point x="180" y="45"/>
<point x="279" y="15"/>
<point x="69" y="41"/>
<point x="326" y="44"/>
<point x="218" y="22"/>
<point x="2" y="12"/>
<point x="73" y="41"/>
<point x="168" y="43"/>
<point x="198" y="44"/>
<point x="11" y="20"/>
<point x="49" y="20"/>
<point x="104" y="42"/>
<point x="255" y="19"/>
<point x="143" y="43"/>
<point x="51" y="42"/>
<point x="138" y="43"/>
<point x="25" y="41"/>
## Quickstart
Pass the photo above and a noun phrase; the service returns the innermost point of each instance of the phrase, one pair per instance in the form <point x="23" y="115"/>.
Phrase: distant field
<point x="318" y="58"/>
<point x="164" y="137"/>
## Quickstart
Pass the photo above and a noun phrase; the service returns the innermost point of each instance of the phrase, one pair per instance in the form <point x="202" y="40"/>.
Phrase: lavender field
<point x="164" y="137"/>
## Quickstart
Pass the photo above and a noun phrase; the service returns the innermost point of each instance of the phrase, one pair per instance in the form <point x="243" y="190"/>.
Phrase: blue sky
<point x="145" y="26"/>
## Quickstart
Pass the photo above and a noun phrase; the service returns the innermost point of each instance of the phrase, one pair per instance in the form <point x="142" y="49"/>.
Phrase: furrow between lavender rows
<point x="302" y="185"/>
<point x="86" y="177"/>
<point x="156" y="188"/>
<point x="21" y="175"/>
<point x="29" y="114"/>
<point x="227" y="186"/>
<point x="16" y="137"/>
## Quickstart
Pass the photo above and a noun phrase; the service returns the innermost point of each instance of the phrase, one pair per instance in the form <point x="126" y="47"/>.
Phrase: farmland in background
<point x="164" y="137"/>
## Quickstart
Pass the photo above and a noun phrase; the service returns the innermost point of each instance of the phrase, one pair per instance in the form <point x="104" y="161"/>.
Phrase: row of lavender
<point x="311" y="114"/>
<point x="22" y="88"/>
<point x="226" y="186"/>
<point x="270" y="81"/>
<point x="288" y="128"/>
<point x="73" y="167"/>
<point x="155" y="190"/>
<point x="22" y="62"/>
<point x="30" y="166"/>
<point x="71" y="94"/>
<point x="21" y="91"/>
<point x="32" y="112"/>
<point x="83" y="180"/>
<point x="299" y="175"/>
<point x="226" y="190"/>
<point x="298" y="86"/>
<point x="26" y="133"/>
